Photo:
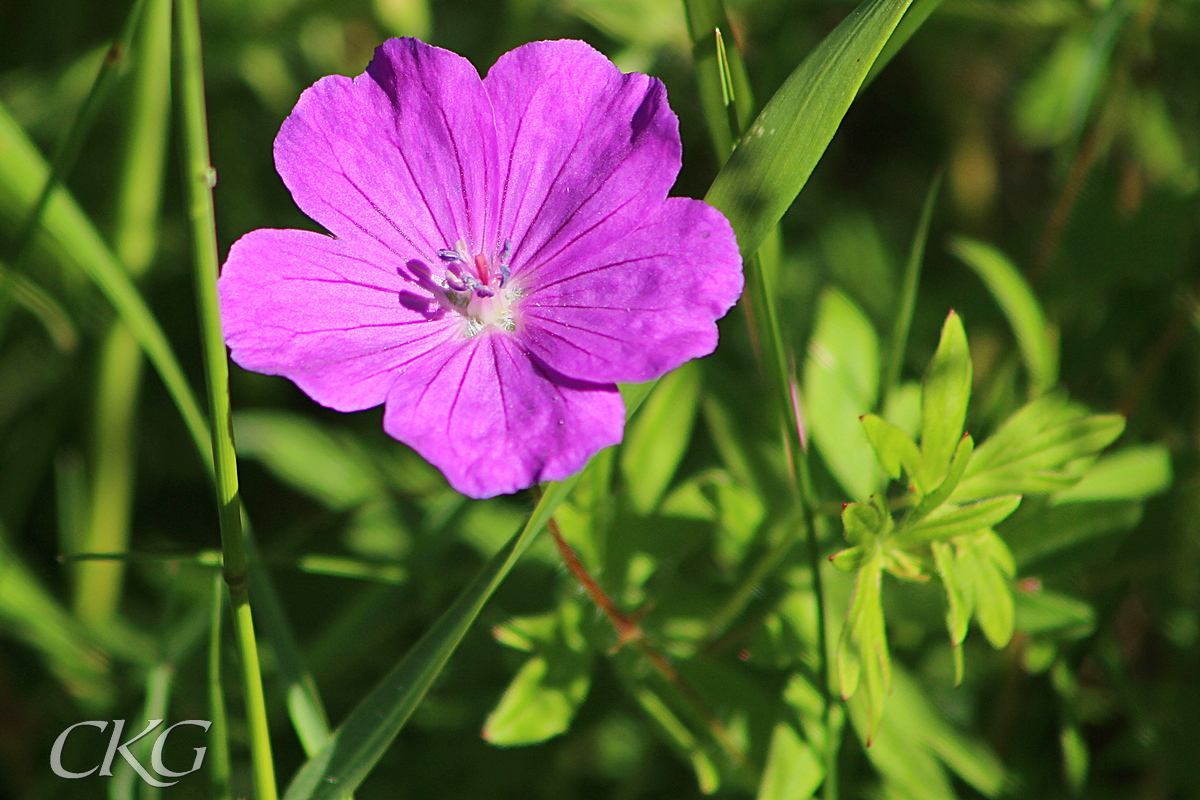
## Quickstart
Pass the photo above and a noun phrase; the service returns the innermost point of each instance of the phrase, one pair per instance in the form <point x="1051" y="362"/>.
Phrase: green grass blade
<point x="719" y="73"/>
<point x="1020" y="306"/>
<point x="71" y="239"/>
<point x="898" y="342"/>
<point x="38" y="302"/>
<point x="98" y="585"/>
<point x="774" y="159"/>
<point x="914" y="18"/>
<point x="68" y="151"/>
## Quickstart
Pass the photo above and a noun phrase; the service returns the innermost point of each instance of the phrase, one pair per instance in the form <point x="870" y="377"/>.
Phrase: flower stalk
<point x="199" y="182"/>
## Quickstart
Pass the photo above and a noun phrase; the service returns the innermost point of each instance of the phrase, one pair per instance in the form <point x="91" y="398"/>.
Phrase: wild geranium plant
<point x="504" y="253"/>
<point x="779" y="567"/>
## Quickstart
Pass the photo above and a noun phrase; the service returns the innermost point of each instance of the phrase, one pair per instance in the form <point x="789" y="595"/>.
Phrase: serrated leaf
<point x="657" y="440"/>
<point x="945" y="393"/>
<point x="1133" y="473"/>
<point x="959" y="600"/>
<point x="862" y="652"/>
<point x="773" y="160"/>
<point x="1016" y="299"/>
<point x="894" y="448"/>
<point x="989" y="588"/>
<point x="841" y="382"/>
<point x="951" y="520"/>
<point x="1037" y="449"/>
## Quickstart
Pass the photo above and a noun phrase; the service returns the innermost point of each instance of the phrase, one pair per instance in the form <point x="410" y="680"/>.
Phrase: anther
<point x="449" y="255"/>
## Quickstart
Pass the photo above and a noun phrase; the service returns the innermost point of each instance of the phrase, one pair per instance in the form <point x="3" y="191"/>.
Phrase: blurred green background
<point x="1069" y="133"/>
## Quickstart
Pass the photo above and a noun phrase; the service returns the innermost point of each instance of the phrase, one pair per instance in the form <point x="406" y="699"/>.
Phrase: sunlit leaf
<point x="945" y="393"/>
<point x="951" y="520"/>
<point x="841" y="382"/>
<point x="1133" y="473"/>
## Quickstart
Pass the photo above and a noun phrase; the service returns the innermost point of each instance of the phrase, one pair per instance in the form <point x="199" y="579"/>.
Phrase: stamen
<point x="449" y="255"/>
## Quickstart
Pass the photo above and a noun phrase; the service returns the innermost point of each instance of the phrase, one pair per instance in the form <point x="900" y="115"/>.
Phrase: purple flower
<point x="504" y="253"/>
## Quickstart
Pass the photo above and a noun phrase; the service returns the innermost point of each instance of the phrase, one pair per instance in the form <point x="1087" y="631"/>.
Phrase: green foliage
<point x="1037" y="484"/>
<point x="956" y="497"/>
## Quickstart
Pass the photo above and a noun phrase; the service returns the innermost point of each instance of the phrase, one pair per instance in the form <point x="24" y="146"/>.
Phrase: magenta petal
<point x="634" y="308"/>
<point x="495" y="421"/>
<point x="404" y="154"/>
<point x="337" y="318"/>
<point x="584" y="145"/>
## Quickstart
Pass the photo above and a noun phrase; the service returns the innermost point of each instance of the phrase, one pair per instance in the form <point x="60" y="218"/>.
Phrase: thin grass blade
<point x="782" y="146"/>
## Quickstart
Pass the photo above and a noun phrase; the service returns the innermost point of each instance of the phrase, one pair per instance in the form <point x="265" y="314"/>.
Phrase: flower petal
<point x="337" y="318"/>
<point x="583" y="144"/>
<point x="633" y="309"/>
<point x="404" y="154"/>
<point x="495" y="421"/>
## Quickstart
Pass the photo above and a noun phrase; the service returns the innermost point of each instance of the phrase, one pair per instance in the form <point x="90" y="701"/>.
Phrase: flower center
<point x="478" y="288"/>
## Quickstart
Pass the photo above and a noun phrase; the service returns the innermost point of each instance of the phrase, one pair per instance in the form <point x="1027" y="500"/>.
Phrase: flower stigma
<point x="481" y="294"/>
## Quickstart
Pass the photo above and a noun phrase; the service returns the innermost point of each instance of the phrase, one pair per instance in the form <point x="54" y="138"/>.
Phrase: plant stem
<point x="199" y="180"/>
<point x="629" y="631"/>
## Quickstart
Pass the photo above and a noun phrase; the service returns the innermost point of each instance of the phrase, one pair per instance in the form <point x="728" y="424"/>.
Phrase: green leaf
<point x="858" y="262"/>
<point x="988" y="578"/>
<point x="681" y="738"/>
<point x="1039" y="535"/>
<point x="958" y="465"/>
<point x="862" y="650"/>
<point x="1054" y="103"/>
<point x="1133" y="473"/>
<point x="1033" y="450"/>
<point x="959" y="600"/>
<point x="863" y="523"/>
<point x="366" y="733"/>
<point x="944" y="396"/>
<point x="841" y="382"/>
<point x="793" y="771"/>
<point x="774" y="159"/>
<point x="951" y="520"/>
<point x="893" y="447"/>
<point x="543" y="697"/>
<point x="1016" y="299"/>
<point x="657" y="440"/>
<point x="1076" y="757"/>
<point x="540" y="702"/>
<point x="914" y="740"/>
